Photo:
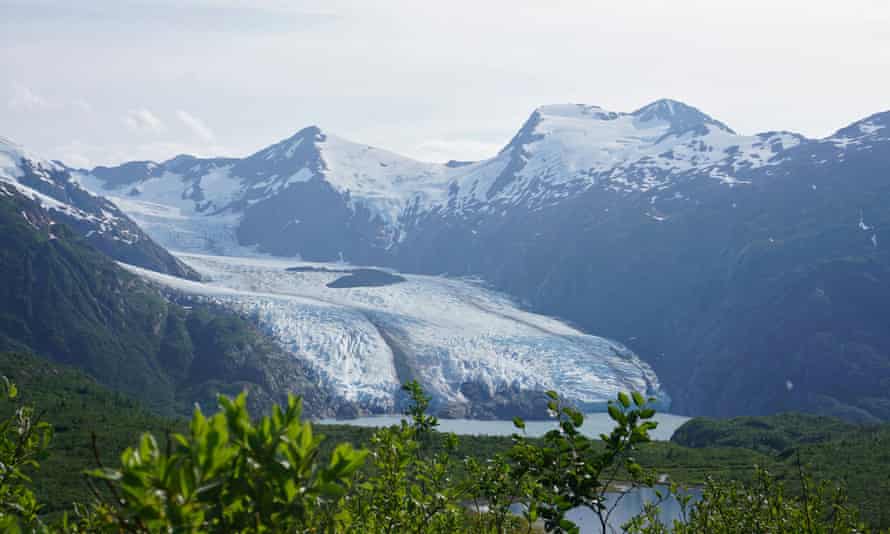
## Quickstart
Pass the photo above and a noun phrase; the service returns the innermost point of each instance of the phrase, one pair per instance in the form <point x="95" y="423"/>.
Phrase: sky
<point x="106" y="81"/>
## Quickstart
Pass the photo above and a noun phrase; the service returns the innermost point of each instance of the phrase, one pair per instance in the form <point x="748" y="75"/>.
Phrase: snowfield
<point x="365" y="341"/>
<point x="560" y="151"/>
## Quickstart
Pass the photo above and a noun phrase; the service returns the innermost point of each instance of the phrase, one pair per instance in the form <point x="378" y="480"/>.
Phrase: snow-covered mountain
<point x="326" y="198"/>
<point x="310" y="185"/>
<point x="569" y="147"/>
<point x="701" y="249"/>
<point x="99" y="221"/>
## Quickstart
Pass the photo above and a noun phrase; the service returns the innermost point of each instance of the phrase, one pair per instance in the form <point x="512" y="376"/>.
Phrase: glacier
<point x="462" y="341"/>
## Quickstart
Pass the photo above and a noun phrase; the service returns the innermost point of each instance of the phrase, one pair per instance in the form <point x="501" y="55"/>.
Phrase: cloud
<point x="84" y="154"/>
<point x="143" y="120"/>
<point x="77" y="160"/>
<point x="82" y="105"/>
<point x="24" y="99"/>
<point x="196" y="125"/>
<point x="74" y="153"/>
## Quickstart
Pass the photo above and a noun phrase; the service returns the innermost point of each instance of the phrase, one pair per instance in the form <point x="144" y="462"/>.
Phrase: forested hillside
<point x="64" y="300"/>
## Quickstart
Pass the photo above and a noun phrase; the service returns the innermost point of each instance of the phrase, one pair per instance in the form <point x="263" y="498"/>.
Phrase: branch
<point x="96" y="456"/>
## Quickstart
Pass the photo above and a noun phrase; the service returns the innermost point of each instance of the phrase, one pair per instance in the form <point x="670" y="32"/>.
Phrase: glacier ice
<point x="365" y="341"/>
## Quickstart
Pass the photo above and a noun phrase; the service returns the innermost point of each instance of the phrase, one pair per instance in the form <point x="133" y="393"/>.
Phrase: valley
<point x="691" y="248"/>
<point x="698" y="248"/>
<point x="352" y="267"/>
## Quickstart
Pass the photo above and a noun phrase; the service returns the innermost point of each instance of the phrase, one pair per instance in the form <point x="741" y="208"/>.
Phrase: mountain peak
<point x="179" y="159"/>
<point x="665" y="107"/>
<point x="578" y="111"/>
<point x="875" y="126"/>
<point x="8" y="142"/>
<point x="682" y="117"/>
<point x="311" y="132"/>
<point x="299" y="145"/>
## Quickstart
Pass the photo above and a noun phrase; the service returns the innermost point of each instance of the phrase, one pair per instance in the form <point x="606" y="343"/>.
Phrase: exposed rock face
<point x="93" y="217"/>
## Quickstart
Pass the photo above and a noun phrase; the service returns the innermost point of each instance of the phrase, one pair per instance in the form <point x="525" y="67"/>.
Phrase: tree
<point x="405" y="488"/>
<point x="573" y="470"/>
<point x="24" y="440"/>
<point x="230" y="474"/>
<point x="761" y="506"/>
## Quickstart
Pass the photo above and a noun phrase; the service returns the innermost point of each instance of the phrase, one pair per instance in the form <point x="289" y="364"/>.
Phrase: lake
<point x="631" y="505"/>
<point x="594" y="425"/>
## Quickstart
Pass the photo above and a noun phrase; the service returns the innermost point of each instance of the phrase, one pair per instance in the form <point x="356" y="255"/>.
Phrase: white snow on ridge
<point x="163" y="209"/>
<point x="179" y="228"/>
<point x="860" y="135"/>
<point x="12" y="155"/>
<point x="218" y="187"/>
<point x="384" y="181"/>
<point x="569" y="147"/>
<point x="449" y="332"/>
<point x="582" y="145"/>
<point x="13" y="158"/>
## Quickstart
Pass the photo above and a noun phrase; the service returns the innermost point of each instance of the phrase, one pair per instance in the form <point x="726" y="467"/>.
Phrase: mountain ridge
<point x="94" y="217"/>
<point x="383" y="191"/>
<point x="64" y="300"/>
<point x="700" y="249"/>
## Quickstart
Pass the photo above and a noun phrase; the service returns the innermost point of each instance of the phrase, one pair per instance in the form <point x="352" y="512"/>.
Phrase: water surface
<point x="594" y="425"/>
<point x="629" y="506"/>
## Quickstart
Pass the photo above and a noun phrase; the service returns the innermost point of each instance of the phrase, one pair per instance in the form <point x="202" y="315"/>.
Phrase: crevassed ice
<point x="451" y="332"/>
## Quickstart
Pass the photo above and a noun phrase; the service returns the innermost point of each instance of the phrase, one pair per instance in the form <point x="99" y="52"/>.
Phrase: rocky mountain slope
<point x="99" y="221"/>
<point x="64" y="300"/>
<point x="749" y="270"/>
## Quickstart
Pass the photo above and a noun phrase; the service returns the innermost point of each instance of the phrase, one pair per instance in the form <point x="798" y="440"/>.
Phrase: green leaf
<point x="519" y="423"/>
<point x="552" y="394"/>
<point x="568" y="526"/>
<point x="649" y="425"/>
<point x="639" y="401"/>
<point x="624" y="399"/>
<point x="577" y="418"/>
<point x="615" y="413"/>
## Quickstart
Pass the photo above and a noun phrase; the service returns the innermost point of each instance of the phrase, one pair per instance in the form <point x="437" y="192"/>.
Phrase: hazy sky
<point x="97" y="82"/>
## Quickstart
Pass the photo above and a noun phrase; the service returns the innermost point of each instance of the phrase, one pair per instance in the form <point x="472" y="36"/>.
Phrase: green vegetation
<point x="774" y="434"/>
<point x="761" y="506"/>
<point x="857" y="456"/>
<point x="62" y="299"/>
<point x="419" y="479"/>
<point x="76" y="407"/>
<point x="23" y="440"/>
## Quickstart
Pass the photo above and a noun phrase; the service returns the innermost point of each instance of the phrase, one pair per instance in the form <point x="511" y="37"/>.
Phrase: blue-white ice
<point x="452" y="332"/>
